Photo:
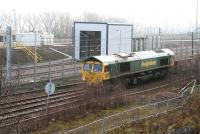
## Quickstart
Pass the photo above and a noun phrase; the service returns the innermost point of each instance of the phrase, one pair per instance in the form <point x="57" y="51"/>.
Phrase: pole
<point x="120" y="41"/>
<point x="47" y="104"/>
<point x="152" y="42"/>
<point x="161" y="44"/>
<point x="192" y="42"/>
<point x="1" y="78"/>
<point x="62" y="74"/>
<point x="197" y="17"/>
<point x="75" y="67"/>
<point x="35" y="60"/>
<point x="8" y="44"/>
<point x="35" y="47"/>
<point x="49" y="74"/>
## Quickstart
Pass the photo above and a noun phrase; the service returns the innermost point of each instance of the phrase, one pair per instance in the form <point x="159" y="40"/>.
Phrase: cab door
<point x="113" y="70"/>
<point x="106" y="72"/>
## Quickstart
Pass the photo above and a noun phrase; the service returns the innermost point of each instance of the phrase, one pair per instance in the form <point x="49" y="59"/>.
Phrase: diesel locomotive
<point x="128" y="67"/>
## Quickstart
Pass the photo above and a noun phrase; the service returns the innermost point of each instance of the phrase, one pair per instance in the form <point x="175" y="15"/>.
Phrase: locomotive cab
<point x="94" y="71"/>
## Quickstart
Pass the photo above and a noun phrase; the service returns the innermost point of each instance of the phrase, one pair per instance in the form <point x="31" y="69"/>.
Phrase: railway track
<point x="15" y="110"/>
<point x="36" y="106"/>
<point x="35" y="92"/>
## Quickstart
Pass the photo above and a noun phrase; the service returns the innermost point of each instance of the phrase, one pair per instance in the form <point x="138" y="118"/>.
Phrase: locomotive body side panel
<point x="148" y="64"/>
<point x="135" y="66"/>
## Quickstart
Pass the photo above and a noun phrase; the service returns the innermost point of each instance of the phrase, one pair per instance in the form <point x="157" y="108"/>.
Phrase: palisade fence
<point x="185" y="53"/>
<point x="32" y="73"/>
<point x="37" y="72"/>
<point x="135" y="114"/>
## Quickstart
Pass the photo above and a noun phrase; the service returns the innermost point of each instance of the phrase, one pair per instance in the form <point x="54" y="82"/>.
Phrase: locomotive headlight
<point x="105" y="76"/>
<point x="100" y="79"/>
<point x="83" y="77"/>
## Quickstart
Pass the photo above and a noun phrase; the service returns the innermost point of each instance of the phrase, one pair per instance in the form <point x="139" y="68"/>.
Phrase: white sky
<point x="148" y="12"/>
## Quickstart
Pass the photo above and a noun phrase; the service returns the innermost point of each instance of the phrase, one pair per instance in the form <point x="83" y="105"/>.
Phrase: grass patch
<point x="59" y="126"/>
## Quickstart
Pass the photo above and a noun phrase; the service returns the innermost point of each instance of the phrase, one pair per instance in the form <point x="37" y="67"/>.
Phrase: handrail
<point x="29" y="51"/>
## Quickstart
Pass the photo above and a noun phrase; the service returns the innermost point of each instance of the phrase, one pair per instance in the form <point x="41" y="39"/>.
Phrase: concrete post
<point x="35" y="60"/>
<point x="75" y="66"/>
<point x="34" y="69"/>
<point x="8" y="46"/>
<point x="18" y="69"/>
<point x="136" y="45"/>
<point x="62" y="69"/>
<point x="102" y="126"/>
<point x="1" y="77"/>
<point x="49" y="74"/>
<point x="152" y="42"/>
<point x="139" y="44"/>
<point x="156" y="42"/>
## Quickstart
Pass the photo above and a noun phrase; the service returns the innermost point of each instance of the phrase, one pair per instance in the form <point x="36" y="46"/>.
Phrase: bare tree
<point x="89" y="16"/>
<point x="59" y="24"/>
<point x="20" y="23"/>
<point x="116" y="20"/>
<point x="63" y="26"/>
<point x="1" y="23"/>
<point x="48" y="21"/>
<point x="31" y="22"/>
<point x="6" y="20"/>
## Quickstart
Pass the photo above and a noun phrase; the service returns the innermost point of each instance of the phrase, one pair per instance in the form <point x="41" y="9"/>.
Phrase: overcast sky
<point x="148" y="12"/>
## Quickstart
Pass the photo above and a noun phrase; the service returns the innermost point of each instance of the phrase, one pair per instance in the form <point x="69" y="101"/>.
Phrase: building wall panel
<point x="119" y="38"/>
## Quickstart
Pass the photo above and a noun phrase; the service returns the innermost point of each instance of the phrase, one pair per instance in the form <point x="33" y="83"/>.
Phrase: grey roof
<point x="124" y="57"/>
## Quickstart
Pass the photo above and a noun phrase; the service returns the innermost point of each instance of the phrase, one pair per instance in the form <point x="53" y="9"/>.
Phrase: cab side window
<point x="106" y="69"/>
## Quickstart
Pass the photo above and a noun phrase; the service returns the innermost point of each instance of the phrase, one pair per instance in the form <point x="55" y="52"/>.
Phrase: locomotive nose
<point x="94" y="79"/>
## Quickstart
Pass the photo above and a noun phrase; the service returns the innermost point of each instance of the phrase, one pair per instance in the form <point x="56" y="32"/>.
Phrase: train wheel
<point x="135" y="81"/>
<point x="164" y="73"/>
<point x="107" y="85"/>
<point x="128" y="83"/>
<point x="156" y="75"/>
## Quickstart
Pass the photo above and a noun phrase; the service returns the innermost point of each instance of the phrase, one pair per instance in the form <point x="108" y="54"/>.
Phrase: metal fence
<point x="135" y="114"/>
<point x="32" y="73"/>
<point x="184" y="53"/>
<point x="59" y="69"/>
<point x="158" y="41"/>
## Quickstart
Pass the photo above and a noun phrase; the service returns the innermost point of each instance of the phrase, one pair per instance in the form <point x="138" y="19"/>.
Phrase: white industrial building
<point x="94" y="38"/>
<point x="32" y="39"/>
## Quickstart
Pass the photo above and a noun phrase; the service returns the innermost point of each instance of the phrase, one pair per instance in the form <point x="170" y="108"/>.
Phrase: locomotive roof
<point x="124" y="57"/>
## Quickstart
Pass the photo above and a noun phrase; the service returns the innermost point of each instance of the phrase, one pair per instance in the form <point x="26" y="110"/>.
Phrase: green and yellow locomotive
<point x="129" y="67"/>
